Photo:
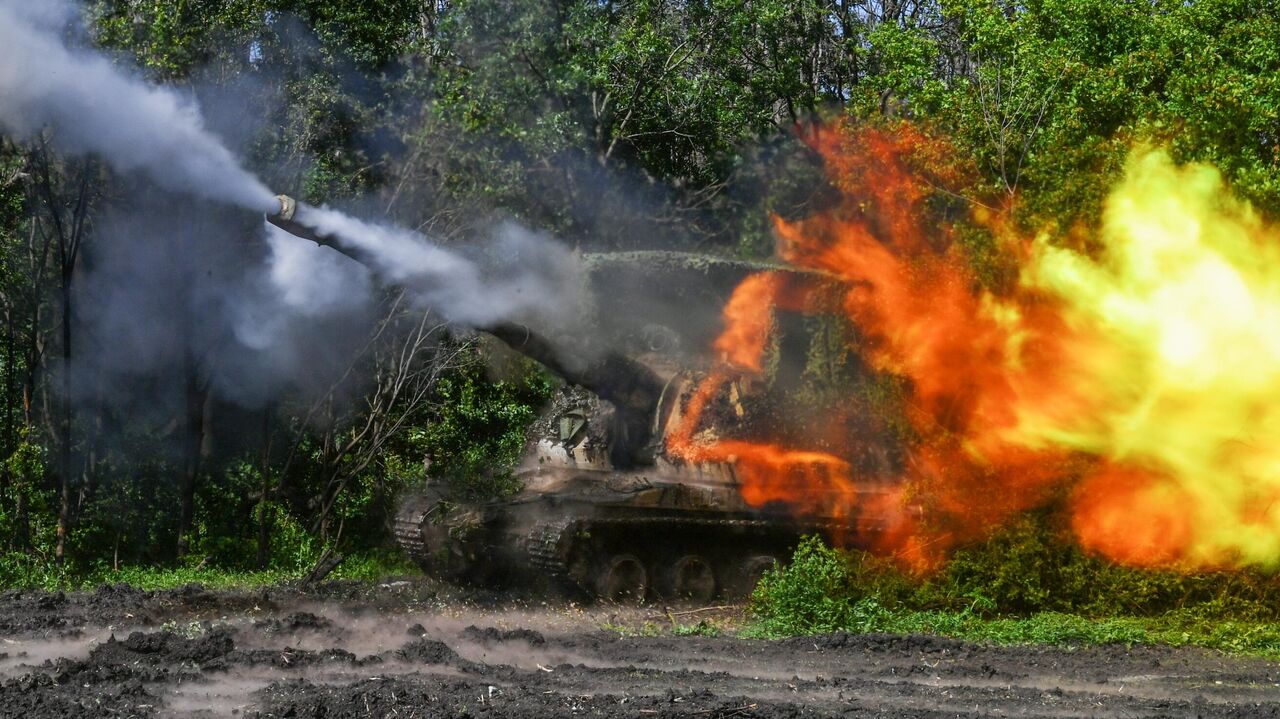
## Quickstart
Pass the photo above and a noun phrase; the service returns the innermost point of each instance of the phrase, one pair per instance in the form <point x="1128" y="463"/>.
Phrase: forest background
<point x="610" y="125"/>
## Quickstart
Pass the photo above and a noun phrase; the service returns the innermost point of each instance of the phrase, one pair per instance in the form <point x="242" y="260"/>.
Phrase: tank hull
<point x="678" y="537"/>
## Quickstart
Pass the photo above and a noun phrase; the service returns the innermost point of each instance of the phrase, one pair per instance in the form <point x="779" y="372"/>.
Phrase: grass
<point x="703" y="628"/>
<point x="823" y="590"/>
<point x="1247" y="638"/>
<point x="1253" y="638"/>
<point x="367" y="567"/>
<point x="626" y="631"/>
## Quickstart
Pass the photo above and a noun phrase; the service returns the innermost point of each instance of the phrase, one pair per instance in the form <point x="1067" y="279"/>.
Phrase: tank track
<point x="543" y="546"/>
<point x="546" y="545"/>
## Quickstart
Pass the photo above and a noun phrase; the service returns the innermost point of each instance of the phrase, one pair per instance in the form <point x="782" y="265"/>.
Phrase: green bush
<point x="477" y="435"/>
<point x="812" y="594"/>
<point x="1035" y="566"/>
<point x="19" y="569"/>
<point x="376" y="564"/>
<point x="824" y="590"/>
<point x="1026" y="584"/>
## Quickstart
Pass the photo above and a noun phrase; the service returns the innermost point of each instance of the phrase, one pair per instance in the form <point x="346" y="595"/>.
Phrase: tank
<point x="604" y="507"/>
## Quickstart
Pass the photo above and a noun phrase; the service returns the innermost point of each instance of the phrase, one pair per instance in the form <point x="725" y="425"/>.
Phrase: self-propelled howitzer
<point x="603" y="507"/>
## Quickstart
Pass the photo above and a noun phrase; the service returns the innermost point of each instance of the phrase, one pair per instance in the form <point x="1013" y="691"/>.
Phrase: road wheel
<point x="748" y="572"/>
<point x="622" y="579"/>
<point x="690" y="578"/>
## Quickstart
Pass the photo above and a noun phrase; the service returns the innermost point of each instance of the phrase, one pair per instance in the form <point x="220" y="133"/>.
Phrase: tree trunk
<point x="93" y="444"/>
<point x="65" y="410"/>
<point x="266" y="515"/>
<point x="24" y="511"/>
<point x="328" y="562"/>
<point x="199" y="407"/>
<point x="7" y="485"/>
<point x="22" y="528"/>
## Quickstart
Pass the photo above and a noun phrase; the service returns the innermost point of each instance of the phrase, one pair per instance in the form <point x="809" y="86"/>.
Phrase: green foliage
<point x="1063" y="88"/>
<point x="223" y="542"/>
<point x="477" y="435"/>
<point x="1027" y="584"/>
<point x="376" y="564"/>
<point x="1022" y="569"/>
<point x="1030" y="566"/>
<point x="823" y="590"/>
<point x="611" y="124"/>
<point x="155" y="578"/>
<point x="128" y="518"/>
<point x="1071" y="630"/>
<point x="1034" y="566"/>
<point x="171" y="38"/>
<point x="32" y="528"/>
<point x="370" y="35"/>
<point x="627" y="631"/>
<point x="20" y="570"/>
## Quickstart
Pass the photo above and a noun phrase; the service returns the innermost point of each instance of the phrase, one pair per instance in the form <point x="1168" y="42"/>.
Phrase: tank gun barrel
<point x="287" y="220"/>
<point x="615" y="377"/>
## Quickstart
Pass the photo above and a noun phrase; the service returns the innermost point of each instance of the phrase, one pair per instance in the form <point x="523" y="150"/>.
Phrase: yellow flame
<point x="1183" y="376"/>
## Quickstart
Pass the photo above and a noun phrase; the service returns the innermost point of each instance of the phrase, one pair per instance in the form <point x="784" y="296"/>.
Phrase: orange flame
<point x="1132" y="517"/>
<point x="806" y="481"/>
<point x="748" y="318"/>
<point x="914" y="301"/>
<point x="1010" y="396"/>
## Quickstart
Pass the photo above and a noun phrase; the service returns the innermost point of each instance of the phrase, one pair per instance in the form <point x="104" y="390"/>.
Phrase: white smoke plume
<point x="517" y="275"/>
<point x="271" y="318"/>
<point x="94" y="107"/>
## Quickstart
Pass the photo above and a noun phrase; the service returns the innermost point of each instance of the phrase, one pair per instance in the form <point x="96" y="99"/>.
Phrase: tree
<point x="63" y="194"/>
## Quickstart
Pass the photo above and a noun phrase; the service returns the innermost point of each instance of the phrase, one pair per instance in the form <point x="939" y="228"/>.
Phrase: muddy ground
<point x="412" y="649"/>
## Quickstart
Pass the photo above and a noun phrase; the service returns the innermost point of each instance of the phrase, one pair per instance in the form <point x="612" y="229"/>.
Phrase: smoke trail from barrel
<point x="516" y="275"/>
<point x="94" y="107"/>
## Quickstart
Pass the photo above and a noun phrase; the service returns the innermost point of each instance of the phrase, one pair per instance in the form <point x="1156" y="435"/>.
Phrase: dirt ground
<point x="411" y="649"/>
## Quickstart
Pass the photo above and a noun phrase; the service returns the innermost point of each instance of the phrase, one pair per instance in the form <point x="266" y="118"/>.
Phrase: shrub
<point x="1027" y="583"/>
<point x="477" y="435"/>
<point x="1035" y="566"/>
<point x="820" y="590"/>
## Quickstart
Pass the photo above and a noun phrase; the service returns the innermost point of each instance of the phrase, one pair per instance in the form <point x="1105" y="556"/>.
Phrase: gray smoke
<point x="516" y="275"/>
<point x="166" y="286"/>
<point x="93" y="107"/>
<point x="170" y="283"/>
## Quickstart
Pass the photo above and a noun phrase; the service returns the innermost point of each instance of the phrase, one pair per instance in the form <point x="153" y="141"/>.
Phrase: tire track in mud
<point x="413" y="649"/>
